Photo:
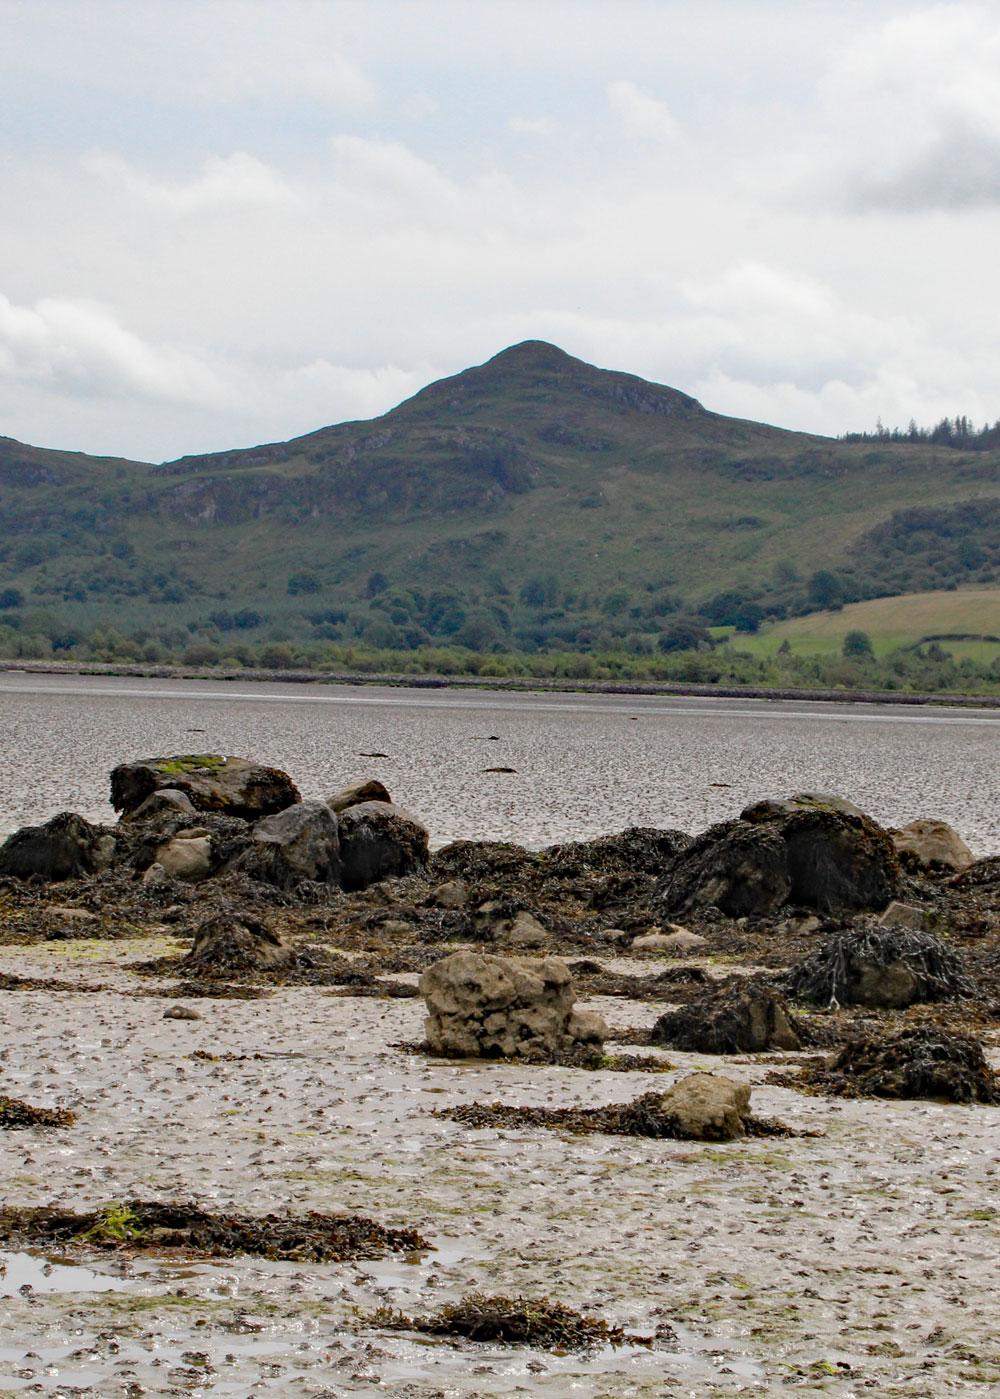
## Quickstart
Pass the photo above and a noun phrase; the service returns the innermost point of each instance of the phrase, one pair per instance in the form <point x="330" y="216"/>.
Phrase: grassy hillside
<point x="532" y="502"/>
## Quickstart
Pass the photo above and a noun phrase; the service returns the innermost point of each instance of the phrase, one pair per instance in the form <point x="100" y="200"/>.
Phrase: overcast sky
<point x="230" y="221"/>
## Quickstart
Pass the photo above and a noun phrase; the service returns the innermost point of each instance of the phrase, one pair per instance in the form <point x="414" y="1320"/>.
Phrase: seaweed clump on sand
<point x="921" y="1061"/>
<point x="150" y="1225"/>
<point x="512" y="1321"/>
<point x="14" y="1113"/>
<point x="649" y="1115"/>
<point x="880" y="967"/>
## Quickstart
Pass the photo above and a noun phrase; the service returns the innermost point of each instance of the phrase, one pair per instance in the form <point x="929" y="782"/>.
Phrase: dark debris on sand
<point x="145" y="1225"/>
<point x="584" y="1057"/>
<point x="512" y="1321"/>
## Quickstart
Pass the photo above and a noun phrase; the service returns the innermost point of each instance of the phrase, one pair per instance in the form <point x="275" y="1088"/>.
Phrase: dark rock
<point x="815" y="855"/>
<point x="379" y="841"/>
<point x="736" y="866"/>
<point x="370" y="791"/>
<point x="66" y="847"/>
<point x="838" y="862"/>
<point x="301" y="842"/>
<point x="739" y="1017"/>
<point x="234" y="786"/>
<point x="880" y="967"/>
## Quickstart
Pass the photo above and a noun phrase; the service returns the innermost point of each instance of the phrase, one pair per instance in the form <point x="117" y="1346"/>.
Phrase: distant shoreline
<point x="502" y="684"/>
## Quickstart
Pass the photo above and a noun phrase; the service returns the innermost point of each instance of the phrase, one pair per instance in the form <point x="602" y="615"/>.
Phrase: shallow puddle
<point x="22" y="1272"/>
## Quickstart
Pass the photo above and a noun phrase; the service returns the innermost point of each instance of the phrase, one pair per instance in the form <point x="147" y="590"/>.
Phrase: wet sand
<point x="584" y="765"/>
<point x="861" y="1261"/>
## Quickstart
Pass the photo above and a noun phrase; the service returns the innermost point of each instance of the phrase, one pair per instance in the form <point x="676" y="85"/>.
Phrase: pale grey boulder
<point x="479" y="1006"/>
<point x="300" y="843"/>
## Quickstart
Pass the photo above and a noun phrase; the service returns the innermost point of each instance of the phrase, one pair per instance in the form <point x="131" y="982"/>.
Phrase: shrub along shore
<point x="558" y="684"/>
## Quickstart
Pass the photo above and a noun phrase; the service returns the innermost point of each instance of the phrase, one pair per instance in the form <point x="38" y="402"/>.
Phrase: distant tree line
<point x="959" y="432"/>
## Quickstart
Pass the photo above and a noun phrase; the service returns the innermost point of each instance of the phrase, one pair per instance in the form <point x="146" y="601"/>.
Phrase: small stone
<point x="156" y="876"/>
<point x="189" y="859"/>
<point x="929" y="845"/>
<point x="452" y="894"/>
<point x="679" y="941"/>
<point x="370" y="791"/>
<point x="900" y="915"/>
<point x="524" y="930"/>
<point x="708" y="1107"/>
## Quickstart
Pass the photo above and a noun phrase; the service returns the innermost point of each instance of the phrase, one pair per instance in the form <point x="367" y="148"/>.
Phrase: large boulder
<point x="480" y="1006"/>
<point x="301" y="842"/>
<point x="738" y="1017"/>
<point x="66" y="847"/>
<point x="379" y="841"/>
<point x="885" y="968"/>
<point x="814" y="851"/>
<point x="928" y="846"/>
<point x="735" y="866"/>
<point x="233" y="786"/>
<point x="707" y="1107"/>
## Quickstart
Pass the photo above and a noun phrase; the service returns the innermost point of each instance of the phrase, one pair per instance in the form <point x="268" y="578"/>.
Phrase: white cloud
<point x="641" y="114"/>
<point x="77" y="347"/>
<point x="914" y="106"/>
<point x="224" y="180"/>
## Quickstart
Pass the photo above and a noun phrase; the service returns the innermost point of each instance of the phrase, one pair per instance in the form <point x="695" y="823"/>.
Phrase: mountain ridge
<point x="533" y="500"/>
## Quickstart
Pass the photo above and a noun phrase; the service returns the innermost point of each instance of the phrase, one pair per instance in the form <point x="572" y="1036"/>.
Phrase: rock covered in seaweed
<point x="919" y="1061"/>
<point x="880" y="967"/>
<point x="738" y="1017"/>
<point x="211" y="782"/>
<point x="480" y="1006"/>
<point x="65" y="847"/>
<point x="225" y="944"/>
<point x="812" y="851"/>
<point x="379" y="841"/>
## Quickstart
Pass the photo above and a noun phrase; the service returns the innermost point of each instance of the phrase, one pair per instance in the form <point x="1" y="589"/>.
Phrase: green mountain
<point x="533" y="501"/>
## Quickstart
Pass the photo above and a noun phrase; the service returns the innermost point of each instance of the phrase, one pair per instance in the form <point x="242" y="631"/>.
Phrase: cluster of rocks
<point x="197" y="817"/>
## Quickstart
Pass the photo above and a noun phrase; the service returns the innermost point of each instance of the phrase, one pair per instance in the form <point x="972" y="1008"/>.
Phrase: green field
<point x="891" y="623"/>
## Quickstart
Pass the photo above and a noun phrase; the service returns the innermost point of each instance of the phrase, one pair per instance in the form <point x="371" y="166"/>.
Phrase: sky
<point x="224" y="222"/>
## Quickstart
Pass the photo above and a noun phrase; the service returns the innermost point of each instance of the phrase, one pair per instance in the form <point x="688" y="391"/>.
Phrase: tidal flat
<point x="854" y="1255"/>
<point x="859" y="1260"/>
